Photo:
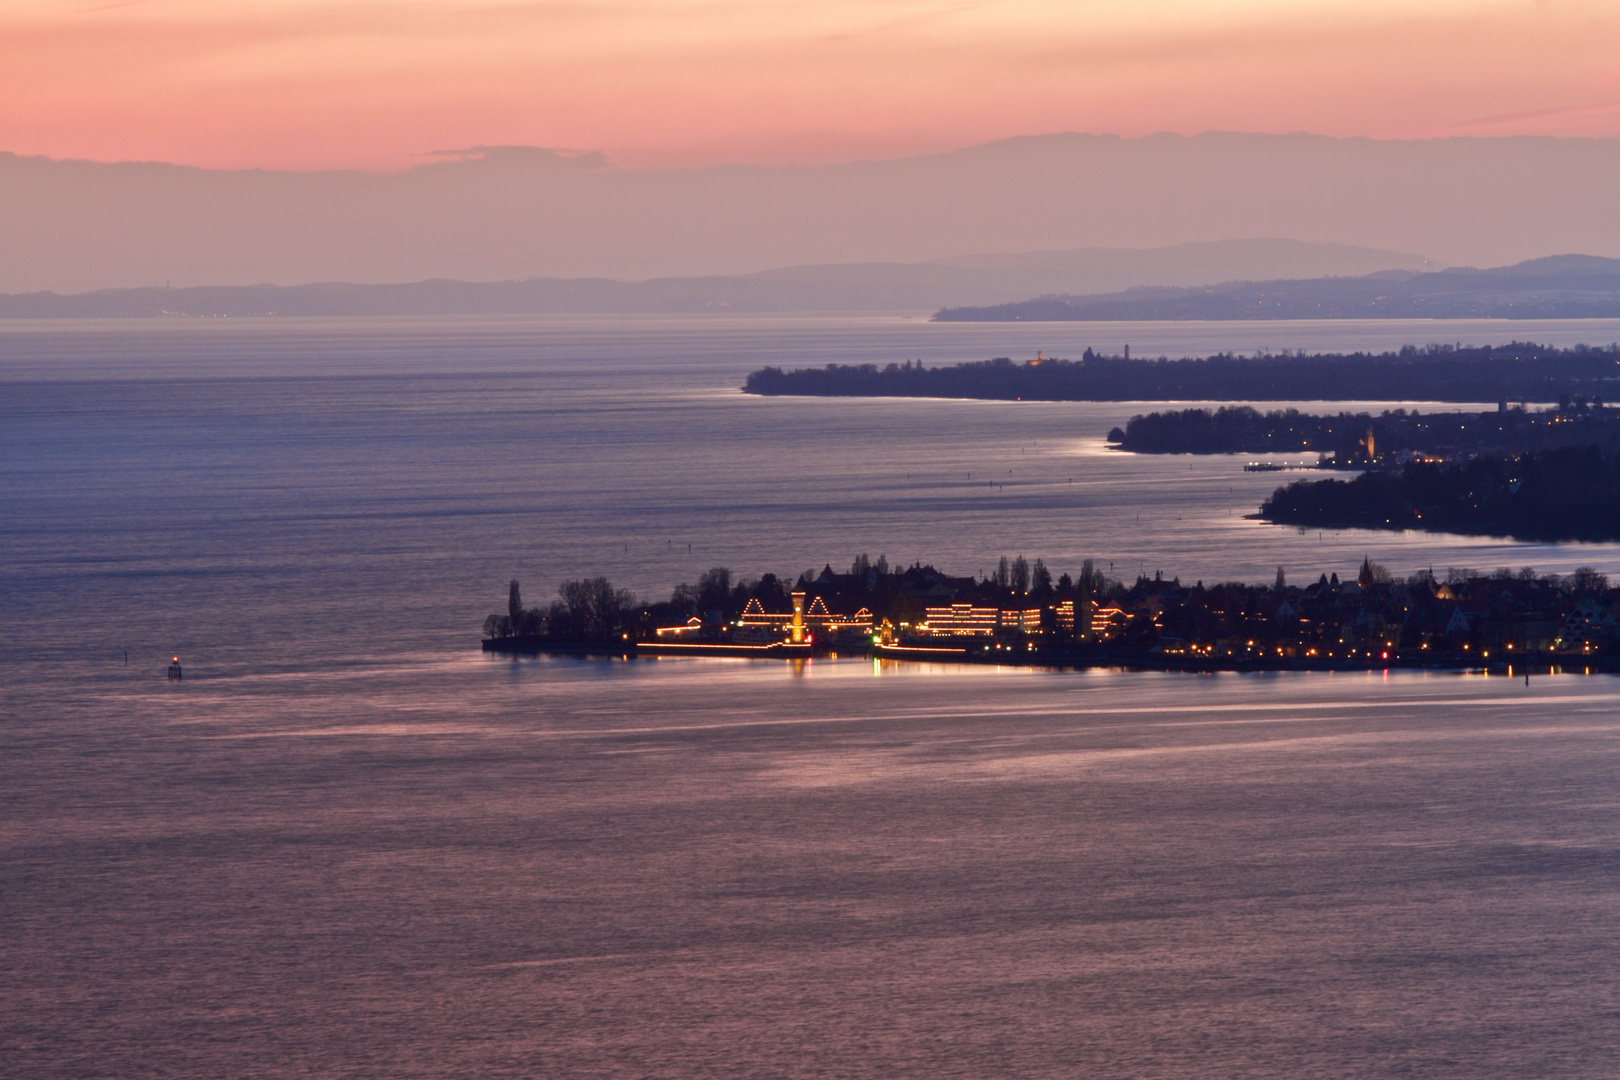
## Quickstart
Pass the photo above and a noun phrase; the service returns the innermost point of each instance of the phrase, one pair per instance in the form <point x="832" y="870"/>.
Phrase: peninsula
<point x="1557" y="287"/>
<point x="1519" y="372"/>
<point x="1569" y="493"/>
<point x="1391" y="437"/>
<point x="1509" y="620"/>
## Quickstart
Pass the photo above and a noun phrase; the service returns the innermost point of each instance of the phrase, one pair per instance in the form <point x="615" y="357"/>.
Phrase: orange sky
<point x="378" y="83"/>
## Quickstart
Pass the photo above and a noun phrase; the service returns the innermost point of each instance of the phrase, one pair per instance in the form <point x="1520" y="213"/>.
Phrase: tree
<point x="860" y="566"/>
<point x="1586" y="579"/>
<point x="595" y="608"/>
<point x="771" y="591"/>
<point x="533" y="624"/>
<point x="684" y="599"/>
<point x="576" y="597"/>
<point x="561" y="622"/>
<point x="1020" y="575"/>
<point x="1041" y="580"/>
<point x="514" y="603"/>
<point x="1282" y="580"/>
<point x="714" y="589"/>
<point x="1003" y="576"/>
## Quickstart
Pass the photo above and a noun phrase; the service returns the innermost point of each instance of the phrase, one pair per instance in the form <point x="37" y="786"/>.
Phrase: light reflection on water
<point x="473" y="866"/>
<point x="349" y="843"/>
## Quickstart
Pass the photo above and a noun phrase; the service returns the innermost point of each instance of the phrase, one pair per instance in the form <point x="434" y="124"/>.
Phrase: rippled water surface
<point x="349" y="844"/>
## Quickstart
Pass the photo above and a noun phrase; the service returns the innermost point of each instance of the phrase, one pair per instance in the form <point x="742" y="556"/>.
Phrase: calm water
<point x="351" y="845"/>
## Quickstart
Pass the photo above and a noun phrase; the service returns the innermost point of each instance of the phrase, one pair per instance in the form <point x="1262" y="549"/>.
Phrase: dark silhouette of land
<point x="1021" y="614"/>
<point x="1569" y="493"/>
<point x="849" y="287"/>
<point x="1521" y="371"/>
<point x="1363" y="438"/>
<point x="1558" y="287"/>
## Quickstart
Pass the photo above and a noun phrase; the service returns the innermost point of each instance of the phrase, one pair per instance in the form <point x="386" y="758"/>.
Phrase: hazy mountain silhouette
<point x="512" y="213"/>
<point x="916" y="288"/>
<point x="1557" y="287"/>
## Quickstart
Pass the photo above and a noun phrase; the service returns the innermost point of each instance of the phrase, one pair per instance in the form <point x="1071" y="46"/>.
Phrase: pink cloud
<point x="374" y="84"/>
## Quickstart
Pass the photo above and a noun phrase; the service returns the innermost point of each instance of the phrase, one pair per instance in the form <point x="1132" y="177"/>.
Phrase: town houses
<point x="1369" y="618"/>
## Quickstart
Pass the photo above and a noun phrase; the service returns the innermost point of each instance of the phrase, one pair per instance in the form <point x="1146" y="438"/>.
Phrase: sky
<point x="385" y="84"/>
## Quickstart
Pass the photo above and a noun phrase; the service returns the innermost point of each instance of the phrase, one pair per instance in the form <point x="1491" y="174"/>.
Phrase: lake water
<point x="349" y="844"/>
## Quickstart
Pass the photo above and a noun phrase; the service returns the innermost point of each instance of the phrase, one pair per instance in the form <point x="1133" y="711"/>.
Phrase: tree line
<point x="1244" y="429"/>
<point x="1521" y="371"/>
<point x="592" y="609"/>
<point x="1567" y="493"/>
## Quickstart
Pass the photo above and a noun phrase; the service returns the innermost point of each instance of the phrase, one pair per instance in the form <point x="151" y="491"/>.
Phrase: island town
<point x="1509" y="621"/>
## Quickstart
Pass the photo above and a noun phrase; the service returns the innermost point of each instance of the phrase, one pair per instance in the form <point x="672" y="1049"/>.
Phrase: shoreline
<point x="1058" y="659"/>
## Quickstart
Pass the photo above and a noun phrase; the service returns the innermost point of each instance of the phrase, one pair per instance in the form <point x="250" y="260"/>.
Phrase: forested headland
<point x="1570" y="493"/>
<point x="1024" y="613"/>
<point x="1557" y="287"/>
<point x="1395" y="433"/>
<point x="1518" y="372"/>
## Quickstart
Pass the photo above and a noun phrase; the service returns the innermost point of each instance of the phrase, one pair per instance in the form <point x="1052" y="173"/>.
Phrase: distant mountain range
<point x="515" y="213"/>
<point x="855" y="287"/>
<point x="1559" y="287"/>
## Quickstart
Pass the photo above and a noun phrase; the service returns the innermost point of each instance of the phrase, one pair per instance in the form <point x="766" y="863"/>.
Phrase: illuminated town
<point x="1510" y="620"/>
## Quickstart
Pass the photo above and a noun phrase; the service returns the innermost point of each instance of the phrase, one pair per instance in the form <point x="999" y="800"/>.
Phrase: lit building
<point x="1102" y="621"/>
<point x="960" y="620"/>
<point x="858" y="621"/>
<point x="692" y="628"/>
<point x="1075" y="617"/>
<point x="755" y="615"/>
<point x="1022" y="620"/>
<point x="1065" y="616"/>
<point x="826" y="621"/>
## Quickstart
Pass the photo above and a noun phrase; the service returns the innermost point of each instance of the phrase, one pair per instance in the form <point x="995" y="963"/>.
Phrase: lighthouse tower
<point x="796" y="630"/>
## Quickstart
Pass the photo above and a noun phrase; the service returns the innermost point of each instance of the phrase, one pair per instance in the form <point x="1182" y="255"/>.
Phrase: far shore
<point x="1056" y="659"/>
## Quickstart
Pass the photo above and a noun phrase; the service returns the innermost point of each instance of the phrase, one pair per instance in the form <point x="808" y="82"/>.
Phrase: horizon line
<point x="644" y="160"/>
